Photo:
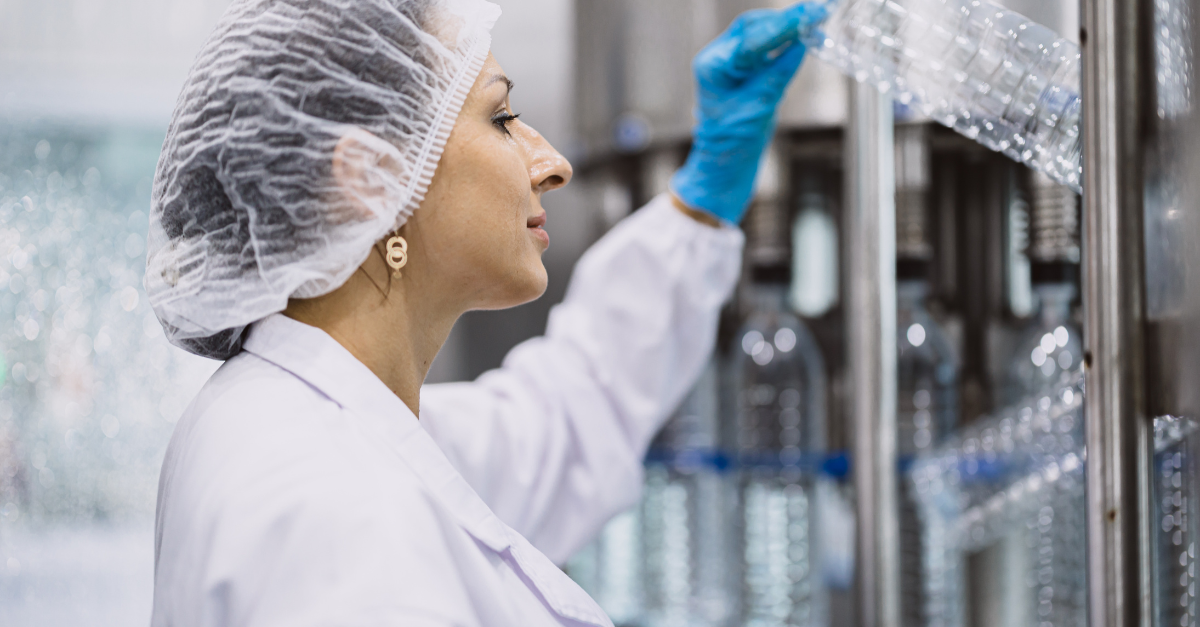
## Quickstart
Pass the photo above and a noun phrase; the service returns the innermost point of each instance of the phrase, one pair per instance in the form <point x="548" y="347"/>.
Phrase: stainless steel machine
<point x="993" y="374"/>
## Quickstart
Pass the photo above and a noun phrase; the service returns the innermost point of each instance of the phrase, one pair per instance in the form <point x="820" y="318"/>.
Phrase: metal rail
<point x="871" y="321"/>
<point x="1118" y="431"/>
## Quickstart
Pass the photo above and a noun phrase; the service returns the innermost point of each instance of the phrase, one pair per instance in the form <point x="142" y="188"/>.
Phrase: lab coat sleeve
<point x="553" y="439"/>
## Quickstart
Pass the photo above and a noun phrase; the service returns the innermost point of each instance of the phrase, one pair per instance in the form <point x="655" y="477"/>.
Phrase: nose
<point x="548" y="169"/>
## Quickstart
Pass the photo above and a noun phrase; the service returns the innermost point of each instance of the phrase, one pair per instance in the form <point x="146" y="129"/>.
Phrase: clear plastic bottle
<point x="1038" y="567"/>
<point x="683" y="518"/>
<point x="989" y="73"/>
<point x="779" y="437"/>
<point x="927" y="411"/>
<point x="1002" y="506"/>
<point x="927" y="362"/>
<point x="1050" y="344"/>
<point x="927" y="369"/>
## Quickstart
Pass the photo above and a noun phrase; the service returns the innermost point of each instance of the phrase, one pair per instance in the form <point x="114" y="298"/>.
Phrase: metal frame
<point x="871" y="322"/>
<point x="1118" y="429"/>
<point x="1115" y="50"/>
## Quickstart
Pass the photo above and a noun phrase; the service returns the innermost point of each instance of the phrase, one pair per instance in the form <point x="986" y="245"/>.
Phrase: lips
<point x="535" y="225"/>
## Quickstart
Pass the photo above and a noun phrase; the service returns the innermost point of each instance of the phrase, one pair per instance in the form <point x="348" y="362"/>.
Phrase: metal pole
<point x="871" y="311"/>
<point x="1118" y="432"/>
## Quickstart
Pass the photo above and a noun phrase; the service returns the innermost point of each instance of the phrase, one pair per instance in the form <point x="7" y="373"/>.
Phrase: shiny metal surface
<point x="633" y="86"/>
<point x="871" y="310"/>
<point x="1113" y="296"/>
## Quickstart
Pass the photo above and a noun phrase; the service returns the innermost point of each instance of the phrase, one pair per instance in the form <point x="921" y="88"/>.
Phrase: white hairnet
<point x="246" y="213"/>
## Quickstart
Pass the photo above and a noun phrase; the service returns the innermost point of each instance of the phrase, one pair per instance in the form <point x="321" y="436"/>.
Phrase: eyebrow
<point x="497" y="78"/>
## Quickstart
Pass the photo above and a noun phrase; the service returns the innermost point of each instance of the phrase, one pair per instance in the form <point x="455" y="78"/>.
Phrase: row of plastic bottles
<point x="991" y="74"/>
<point x="740" y="511"/>
<point x="733" y="528"/>
<point x="744" y="522"/>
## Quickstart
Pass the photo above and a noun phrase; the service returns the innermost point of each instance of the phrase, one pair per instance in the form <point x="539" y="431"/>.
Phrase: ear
<point x="369" y="173"/>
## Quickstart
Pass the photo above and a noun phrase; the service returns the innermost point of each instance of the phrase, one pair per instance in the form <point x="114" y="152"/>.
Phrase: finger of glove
<point x="772" y="81"/>
<point x="764" y="36"/>
<point x="808" y="14"/>
<point x="753" y="40"/>
<point x="757" y="96"/>
<point x="767" y="37"/>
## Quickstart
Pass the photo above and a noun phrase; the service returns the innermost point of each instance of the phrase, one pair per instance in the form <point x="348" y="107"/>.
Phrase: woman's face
<point x="478" y="234"/>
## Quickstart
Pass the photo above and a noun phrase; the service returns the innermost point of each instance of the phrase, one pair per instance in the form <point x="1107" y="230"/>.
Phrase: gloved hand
<point x="740" y="77"/>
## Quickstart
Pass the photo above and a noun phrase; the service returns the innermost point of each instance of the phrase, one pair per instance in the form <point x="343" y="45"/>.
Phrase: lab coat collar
<point x="314" y="357"/>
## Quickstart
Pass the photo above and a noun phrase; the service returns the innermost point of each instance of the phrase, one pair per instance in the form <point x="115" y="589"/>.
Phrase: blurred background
<point x="749" y="512"/>
<point x="89" y="388"/>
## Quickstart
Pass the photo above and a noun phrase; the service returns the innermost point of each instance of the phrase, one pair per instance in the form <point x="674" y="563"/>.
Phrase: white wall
<point x="533" y="41"/>
<point x="99" y="60"/>
<point x="124" y="61"/>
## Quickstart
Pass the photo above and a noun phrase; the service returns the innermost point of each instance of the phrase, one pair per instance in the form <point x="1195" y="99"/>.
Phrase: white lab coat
<point x="299" y="491"/>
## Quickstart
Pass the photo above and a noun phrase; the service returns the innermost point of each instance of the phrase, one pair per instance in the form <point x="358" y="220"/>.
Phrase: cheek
<point x="484" y="166"/>
<point x="509" y="182"/>
<point x="502" y="195"/>
<point x="484" y="190"/>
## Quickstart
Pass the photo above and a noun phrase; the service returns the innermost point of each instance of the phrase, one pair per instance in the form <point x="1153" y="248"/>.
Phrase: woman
<point x="341" y="181"/>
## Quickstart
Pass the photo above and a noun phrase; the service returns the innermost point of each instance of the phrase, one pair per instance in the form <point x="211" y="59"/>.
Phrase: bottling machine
<point x="981" y="372"/>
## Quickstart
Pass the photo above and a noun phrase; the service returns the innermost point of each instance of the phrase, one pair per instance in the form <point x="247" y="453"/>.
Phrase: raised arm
<point x="553" y="440"/>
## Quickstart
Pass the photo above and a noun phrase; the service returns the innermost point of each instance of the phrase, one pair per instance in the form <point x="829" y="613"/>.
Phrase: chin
<point x="534" y="285"/>
<point x="521" y="286"/>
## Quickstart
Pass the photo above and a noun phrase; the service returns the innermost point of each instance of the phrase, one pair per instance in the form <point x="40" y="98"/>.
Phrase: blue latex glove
<point x="741" y="77"/>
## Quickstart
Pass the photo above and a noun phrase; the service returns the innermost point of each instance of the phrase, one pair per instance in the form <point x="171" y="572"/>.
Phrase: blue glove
<point x="740" y="78"/>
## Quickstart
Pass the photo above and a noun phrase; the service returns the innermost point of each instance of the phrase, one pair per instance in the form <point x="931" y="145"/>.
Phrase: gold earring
<point x="397" y="254"/>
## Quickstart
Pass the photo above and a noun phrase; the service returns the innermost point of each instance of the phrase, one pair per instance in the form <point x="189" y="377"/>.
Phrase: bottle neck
<point x="1054" y="302"/>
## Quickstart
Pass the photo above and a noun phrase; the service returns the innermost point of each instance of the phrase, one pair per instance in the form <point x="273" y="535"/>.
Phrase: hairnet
<point x="246" y="213"/>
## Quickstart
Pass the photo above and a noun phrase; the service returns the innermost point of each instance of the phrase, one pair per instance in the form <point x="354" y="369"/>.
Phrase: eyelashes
<point x="502" y="120"/>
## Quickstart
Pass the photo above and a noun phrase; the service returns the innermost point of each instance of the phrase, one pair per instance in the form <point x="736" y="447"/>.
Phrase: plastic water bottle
<point x="779" y="437"/>
<point x="927" y="412"/>
<point x="1049" y="345"/>
<point x="927" y="362"/>
<point x="1051" y="342"/>
<point x="987" y="72"/>
<point x="1004" y="498"/>
<point x="683" y="518"/>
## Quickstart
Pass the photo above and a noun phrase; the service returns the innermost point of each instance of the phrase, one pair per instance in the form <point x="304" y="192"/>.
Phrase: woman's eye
<point x="502" y="121"/>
